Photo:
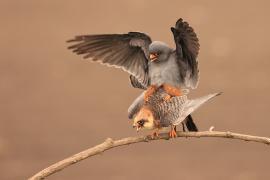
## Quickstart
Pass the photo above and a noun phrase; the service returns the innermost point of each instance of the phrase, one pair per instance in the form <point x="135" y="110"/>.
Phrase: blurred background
<point x="54" y="104"/>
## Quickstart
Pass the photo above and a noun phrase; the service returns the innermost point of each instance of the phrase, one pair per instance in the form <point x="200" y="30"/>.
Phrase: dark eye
<point x="141" y="122"/>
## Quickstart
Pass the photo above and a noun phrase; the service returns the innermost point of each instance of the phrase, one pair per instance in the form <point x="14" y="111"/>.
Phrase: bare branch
<point x="109" y="143"/>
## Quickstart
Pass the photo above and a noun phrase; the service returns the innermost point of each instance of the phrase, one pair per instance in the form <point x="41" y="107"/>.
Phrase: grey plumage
<point x="130" y="52"/>
<point x="171" y="112"/>
<point x="165" y="69"/>
<point x="135" y="106"/>
<point x="177" y="67"/>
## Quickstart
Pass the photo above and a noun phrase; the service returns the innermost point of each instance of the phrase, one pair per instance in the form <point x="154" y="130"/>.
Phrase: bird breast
<point x="164" y="72"/>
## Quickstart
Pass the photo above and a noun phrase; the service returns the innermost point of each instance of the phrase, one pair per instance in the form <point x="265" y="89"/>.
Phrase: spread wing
<point x="187" y="49"/>
<point x="136" y="105"/>
<point x="127" y="51"/>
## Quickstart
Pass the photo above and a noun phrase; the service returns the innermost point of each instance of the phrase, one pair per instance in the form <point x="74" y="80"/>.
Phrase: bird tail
<point x="192" y="105"/>
<point x="191" y="126"/>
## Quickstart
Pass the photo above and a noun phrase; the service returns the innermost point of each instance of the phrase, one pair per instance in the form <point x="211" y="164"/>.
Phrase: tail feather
<point x="191" y="126"/>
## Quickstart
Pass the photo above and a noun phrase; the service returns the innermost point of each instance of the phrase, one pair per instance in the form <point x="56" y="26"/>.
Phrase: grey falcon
<point x="151" y="65"/>
<point x="157" y="114"/>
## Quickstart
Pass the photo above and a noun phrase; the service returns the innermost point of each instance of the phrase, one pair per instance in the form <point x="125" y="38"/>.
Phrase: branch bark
<point x="109" y="144"/>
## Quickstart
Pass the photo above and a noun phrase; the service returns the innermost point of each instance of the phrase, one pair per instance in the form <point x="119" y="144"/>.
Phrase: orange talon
<point x="173" y="133"/>
<point x="171" y="90"/>
<point x="149" y="92"/>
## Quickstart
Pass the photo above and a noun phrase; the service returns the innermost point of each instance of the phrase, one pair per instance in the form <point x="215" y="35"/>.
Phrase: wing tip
<point x="219" y="93"/>
<point x="180" y="20"/>
<point x="70" y="40"/>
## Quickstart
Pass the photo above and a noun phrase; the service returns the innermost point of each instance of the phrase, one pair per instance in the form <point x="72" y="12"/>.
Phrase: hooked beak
<point x="137" y="127"/>
<point x="153" y="56"/>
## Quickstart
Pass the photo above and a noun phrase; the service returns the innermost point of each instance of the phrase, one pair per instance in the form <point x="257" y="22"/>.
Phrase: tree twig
<point x="109" y="144"/>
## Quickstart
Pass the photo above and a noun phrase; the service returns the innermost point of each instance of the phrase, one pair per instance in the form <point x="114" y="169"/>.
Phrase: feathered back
<point x="167" y="112"/>
<point x="171" y="112"/>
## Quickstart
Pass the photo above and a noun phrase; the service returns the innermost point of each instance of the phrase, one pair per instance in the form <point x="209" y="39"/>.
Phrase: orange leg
<point x="149" y="92"/>
<point x="173" y="133"/>
<point x="171" y="91"/>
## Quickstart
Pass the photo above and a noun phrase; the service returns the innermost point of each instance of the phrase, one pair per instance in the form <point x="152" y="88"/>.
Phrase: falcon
<point x="157" y="114"/>
<point x="151" y="65"/>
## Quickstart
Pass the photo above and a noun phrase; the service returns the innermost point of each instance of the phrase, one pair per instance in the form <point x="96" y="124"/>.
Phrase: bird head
<point x="144" y="119"/>
<point x="159" y="51"/>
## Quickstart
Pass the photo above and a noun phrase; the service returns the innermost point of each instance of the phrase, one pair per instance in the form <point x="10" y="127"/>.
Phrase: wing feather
<point x="126" y="51"/>
<point x="187" y="50"/>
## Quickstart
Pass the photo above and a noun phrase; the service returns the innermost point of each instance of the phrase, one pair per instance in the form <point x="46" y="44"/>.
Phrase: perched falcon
<point x="151" y="65"/>
<point x="157" y="113"/>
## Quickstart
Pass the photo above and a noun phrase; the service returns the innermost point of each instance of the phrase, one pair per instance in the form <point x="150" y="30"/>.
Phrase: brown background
<point x="53" y="104"/>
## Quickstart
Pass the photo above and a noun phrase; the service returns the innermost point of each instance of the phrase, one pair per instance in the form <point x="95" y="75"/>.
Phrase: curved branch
<point x="109" y="143"/>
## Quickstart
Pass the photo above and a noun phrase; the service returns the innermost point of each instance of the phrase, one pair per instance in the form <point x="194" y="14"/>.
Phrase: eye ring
<point x="141" y="122"/>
